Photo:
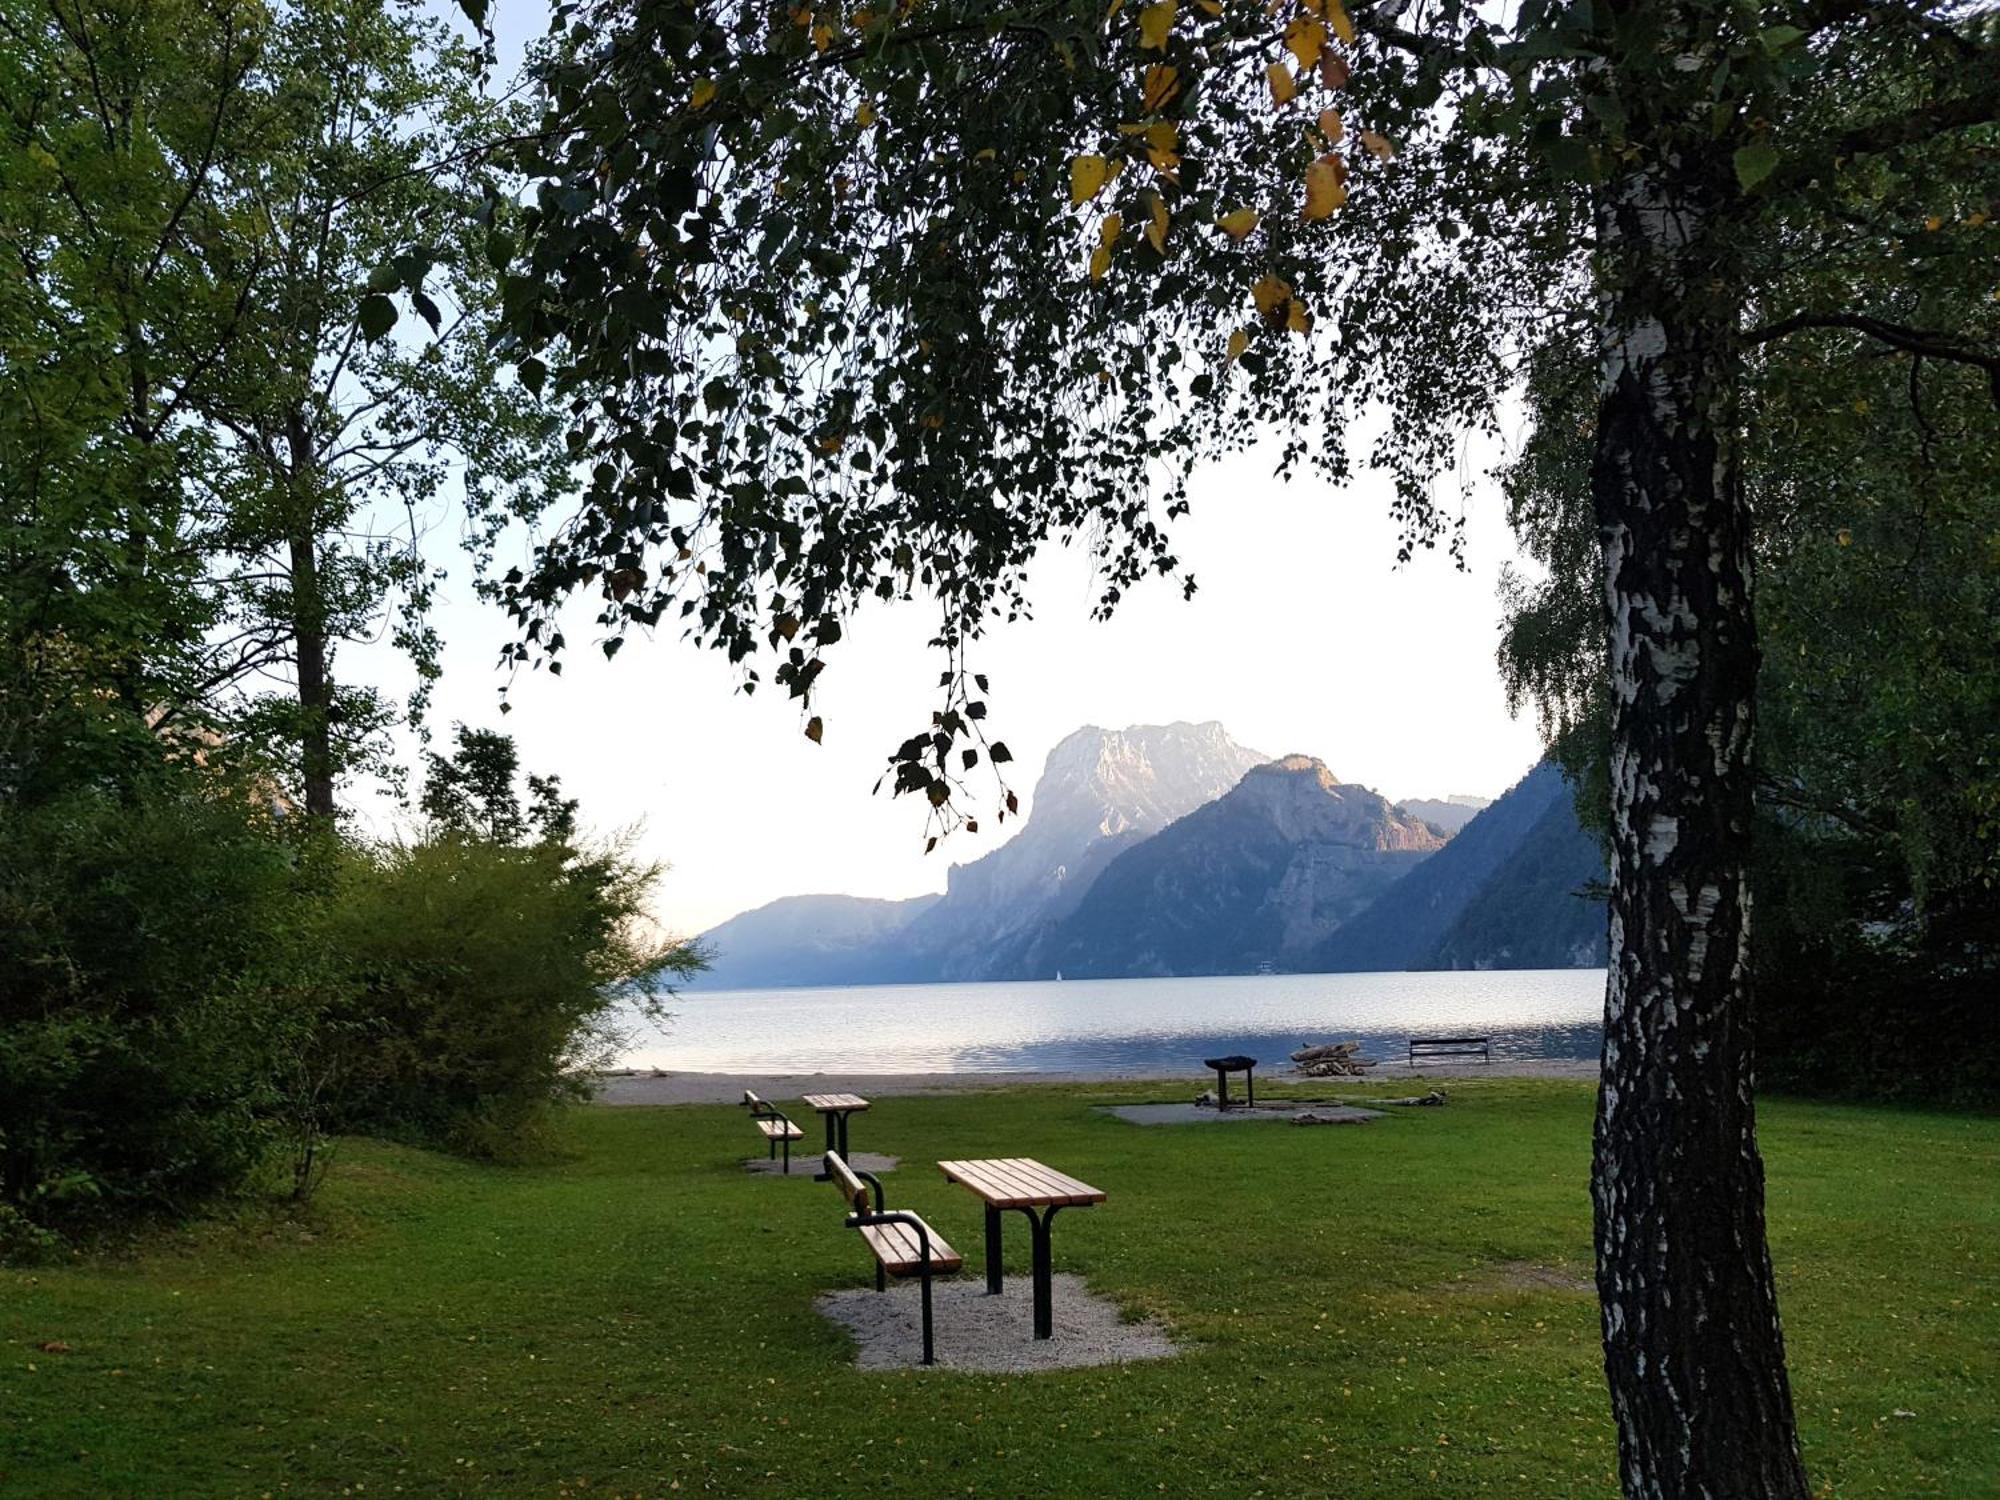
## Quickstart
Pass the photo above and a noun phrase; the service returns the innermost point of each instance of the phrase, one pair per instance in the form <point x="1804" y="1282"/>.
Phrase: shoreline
<point x="647" y="1087"/>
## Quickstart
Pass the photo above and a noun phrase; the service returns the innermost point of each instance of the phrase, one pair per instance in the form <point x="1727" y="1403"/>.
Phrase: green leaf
<point x="378" y="316"/>
<point x="1755" y="162"/>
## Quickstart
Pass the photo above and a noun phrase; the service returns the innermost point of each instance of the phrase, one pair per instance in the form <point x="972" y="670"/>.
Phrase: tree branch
<point x="1920" y="342"/>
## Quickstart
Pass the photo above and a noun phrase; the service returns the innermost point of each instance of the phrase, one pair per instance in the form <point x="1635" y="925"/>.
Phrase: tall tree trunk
<point x="1692" y="1342"/>
<point x="309" y="640"/>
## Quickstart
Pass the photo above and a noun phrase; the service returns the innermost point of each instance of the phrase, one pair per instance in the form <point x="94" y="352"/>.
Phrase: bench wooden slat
<point x="780" y="1129"/>
<point x="901" y="1252"/>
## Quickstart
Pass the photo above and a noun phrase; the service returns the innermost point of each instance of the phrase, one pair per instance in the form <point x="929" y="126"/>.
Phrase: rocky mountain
<point x="808" y="940"/>
<point x="1518" y="853"/>
<point x="1447" y="814"/>
<point x="1101" y="791"/>
<point x="1543" y="908"/>
<point x="1260" y="876"/>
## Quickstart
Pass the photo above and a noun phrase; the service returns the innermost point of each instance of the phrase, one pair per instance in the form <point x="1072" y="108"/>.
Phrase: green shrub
<point x="487" y="977"/>
<point x="142" y="943"/>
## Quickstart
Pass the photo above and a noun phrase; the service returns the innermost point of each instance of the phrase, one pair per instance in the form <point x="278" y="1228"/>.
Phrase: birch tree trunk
<point x="1693" y="1348"/>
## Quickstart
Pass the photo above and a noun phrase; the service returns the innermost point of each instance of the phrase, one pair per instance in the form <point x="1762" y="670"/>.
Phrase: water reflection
<point x="1117" y="1025"/>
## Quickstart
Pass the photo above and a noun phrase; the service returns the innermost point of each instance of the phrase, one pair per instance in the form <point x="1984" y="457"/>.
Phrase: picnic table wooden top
<point x="835" y="1104"/>
<point x="1020" y="1182"/>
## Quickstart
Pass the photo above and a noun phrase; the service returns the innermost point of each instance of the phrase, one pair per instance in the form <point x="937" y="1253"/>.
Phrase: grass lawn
<point x="1357" y="1303"/>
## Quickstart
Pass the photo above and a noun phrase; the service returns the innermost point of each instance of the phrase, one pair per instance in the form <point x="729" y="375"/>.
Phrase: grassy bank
<point x="1387" y="1310"/>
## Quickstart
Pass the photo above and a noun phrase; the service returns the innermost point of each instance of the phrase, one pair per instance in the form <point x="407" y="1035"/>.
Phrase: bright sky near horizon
<point x="1304" y="636"/>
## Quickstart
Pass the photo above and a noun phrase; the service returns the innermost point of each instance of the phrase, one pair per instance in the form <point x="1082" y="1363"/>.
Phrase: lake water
<point x="1118" y="1025"/>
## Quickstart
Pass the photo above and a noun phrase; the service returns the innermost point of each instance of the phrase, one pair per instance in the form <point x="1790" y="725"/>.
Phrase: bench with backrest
<point x="1449" y="1047"/>
<point x="901" y="1242"/>
<point x="778" y="1130"/>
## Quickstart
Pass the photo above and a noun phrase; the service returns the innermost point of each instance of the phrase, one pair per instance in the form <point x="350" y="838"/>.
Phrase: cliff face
<point x="1260" y="876"/>
<point x="1101" y="791"/>
<point x="1511" y="870"/>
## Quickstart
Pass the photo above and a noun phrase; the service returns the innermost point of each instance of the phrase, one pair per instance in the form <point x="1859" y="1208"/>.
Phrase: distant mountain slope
<point x="1409" y="921"/>
<point x="808" y="940"/>
<point x="1542" y="909"/>
<point x="1447" y="813"/>
<point x="1258" y="876"/>
<point x="1101" y="791"/>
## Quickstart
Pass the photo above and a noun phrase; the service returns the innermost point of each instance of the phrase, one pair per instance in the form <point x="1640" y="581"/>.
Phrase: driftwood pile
<point x="1337" y="1060"/>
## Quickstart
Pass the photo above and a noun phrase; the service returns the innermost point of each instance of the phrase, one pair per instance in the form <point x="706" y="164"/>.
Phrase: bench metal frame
<point x="885" y="1215"/>
<point x="1452" y="1046"/>
<point x="763" y="1109"/>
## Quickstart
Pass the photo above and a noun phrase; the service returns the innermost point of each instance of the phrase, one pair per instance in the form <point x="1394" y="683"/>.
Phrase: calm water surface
<point x="1117" y="1025"/>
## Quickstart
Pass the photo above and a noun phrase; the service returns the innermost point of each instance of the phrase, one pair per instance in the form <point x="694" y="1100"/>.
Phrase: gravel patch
<point x="991" y="1335"/>
<point x="805" y="1164"/>
<point x="1195" y="1114"/>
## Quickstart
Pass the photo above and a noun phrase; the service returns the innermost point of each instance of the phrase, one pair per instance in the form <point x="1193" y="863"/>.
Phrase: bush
<point x="486" y="976"/>
<point x="143" y="944"/>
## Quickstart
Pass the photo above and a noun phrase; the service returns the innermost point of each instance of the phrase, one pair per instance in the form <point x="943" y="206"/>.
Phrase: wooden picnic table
<point x="1024" y="1186"/>
<point x="835" y="1107"/>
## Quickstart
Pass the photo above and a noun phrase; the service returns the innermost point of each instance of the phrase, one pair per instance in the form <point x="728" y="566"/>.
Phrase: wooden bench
<point x="1450" y="1046"/>
<point x="902" y="1243"/>
<point x="778" y="1130"/>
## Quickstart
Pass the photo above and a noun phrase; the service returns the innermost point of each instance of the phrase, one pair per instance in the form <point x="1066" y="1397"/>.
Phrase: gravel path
<point x="805" y="1163"/>
<point x="645" y="1088"/>
<point x="991" y="1335"/>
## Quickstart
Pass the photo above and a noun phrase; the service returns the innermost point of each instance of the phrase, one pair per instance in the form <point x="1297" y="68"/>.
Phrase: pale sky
<point x="1304" y="636"/>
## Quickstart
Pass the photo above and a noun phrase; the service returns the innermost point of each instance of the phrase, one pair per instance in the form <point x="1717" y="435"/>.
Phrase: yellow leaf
<point x="1330" y="125"/>
<point x="1087" y="176"/>
<point x="1238" y="342"/>
<point x="1333" y="69"/>
<point x="704" y="90"/>
<point x="987" y="155"/>
<point x="1156" y="24"/>
<point x="1100" y="262"/>
<point x="814" y="729"/>
<point x="1305" y="38"/>
<point x="1297" y="319"/>
<point x="1336" y="17"/>
<point x="864" y="115"/>
<point x="1163" y="135"/>
<point x="1156" y="231"/>
<point x="1282" y="86"/>
<point x="1270" y="295"/>
<point x="1163" y="81"/>
<point x="1378" y="145"/>
<point x="1213" y="7"/>
<point x="1325" y="188"/>
<point x="822" y="36"/>
<point x="1238" y="222"/>
<point x="1844" y="537"/>
<point x="1110" y="229"/>
<point x="1934" y="222"/>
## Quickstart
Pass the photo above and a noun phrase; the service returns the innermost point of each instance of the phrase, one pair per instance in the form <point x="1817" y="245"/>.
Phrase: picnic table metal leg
<point x="1250" y="1083"/>
<point x="1221" y="1090"/>
<point x="843" y="1135"/>
<point x="992" y="1251"/>
<point x="821" y="1174"/>
<point x="1044" y="1271"/>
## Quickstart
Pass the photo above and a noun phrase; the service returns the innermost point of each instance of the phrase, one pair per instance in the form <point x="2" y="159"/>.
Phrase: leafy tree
<point x="196" y="196"/>
<point x="874" y="301"/>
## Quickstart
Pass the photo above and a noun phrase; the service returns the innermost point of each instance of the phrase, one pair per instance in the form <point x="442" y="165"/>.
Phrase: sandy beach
<point x="653" y="1088"/>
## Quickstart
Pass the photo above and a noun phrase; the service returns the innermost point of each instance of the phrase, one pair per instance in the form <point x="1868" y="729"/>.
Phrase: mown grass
<point x="1373" y="1311"/>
